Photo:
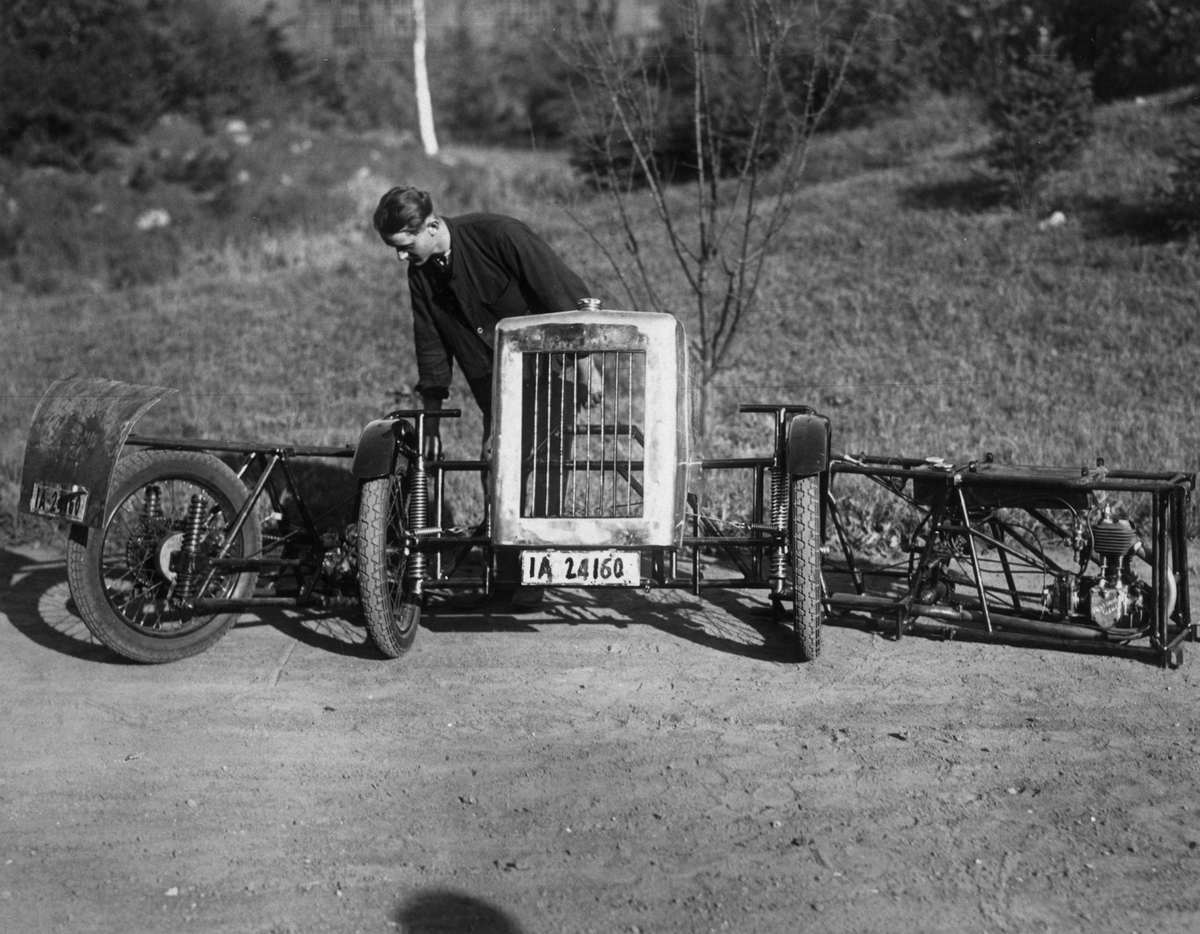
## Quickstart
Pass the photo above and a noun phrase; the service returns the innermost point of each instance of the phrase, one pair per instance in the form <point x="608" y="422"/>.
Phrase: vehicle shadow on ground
<point x="444" y="910"/>
<point x="36" y="599"/>
<point x="339" y="632"/>
<point x="932" y="632"/>
<point x="886" y="624"/>
<point x="722" y="620"/>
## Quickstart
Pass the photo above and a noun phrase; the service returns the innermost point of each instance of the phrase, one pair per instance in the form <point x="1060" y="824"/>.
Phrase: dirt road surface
<point x="611" y="763"/>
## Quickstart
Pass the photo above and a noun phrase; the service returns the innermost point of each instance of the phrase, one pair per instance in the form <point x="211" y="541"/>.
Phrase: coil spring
<point x="779" y="520"/>
<point x="152" y="505"/>
<point x="418" y="509"/>
<point x="193" y="532"/>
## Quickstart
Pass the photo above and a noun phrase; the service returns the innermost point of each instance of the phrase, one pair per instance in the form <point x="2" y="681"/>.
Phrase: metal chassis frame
<point x="1168" y="492"/>
<point x="762" y="540"/>
<point x="757" y="550"/>
<point x="260" y="463"/>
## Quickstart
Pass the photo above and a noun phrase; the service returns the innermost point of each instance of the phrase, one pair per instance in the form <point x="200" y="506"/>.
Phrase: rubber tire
<point x="808" y="612"/>
<point x="87" y="547"/>
<point x="392" y="613"/>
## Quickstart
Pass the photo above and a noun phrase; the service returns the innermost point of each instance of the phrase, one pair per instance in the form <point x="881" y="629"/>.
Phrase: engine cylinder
<point x="1112" y="538"/>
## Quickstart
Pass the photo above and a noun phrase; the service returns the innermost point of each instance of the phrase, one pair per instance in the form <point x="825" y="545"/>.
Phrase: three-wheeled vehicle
<point x="591" y="483"/>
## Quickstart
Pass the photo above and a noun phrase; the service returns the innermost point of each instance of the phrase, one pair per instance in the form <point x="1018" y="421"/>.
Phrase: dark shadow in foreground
<point x="941" y="632"/>
<point x="725" y="620"/>
<point x="444" y="911"/>
<point x="36" y="598"/>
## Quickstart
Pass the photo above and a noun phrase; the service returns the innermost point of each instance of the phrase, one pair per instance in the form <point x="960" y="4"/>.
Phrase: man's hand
<point x="433" y="429"/>
<point x="433" y="441"/>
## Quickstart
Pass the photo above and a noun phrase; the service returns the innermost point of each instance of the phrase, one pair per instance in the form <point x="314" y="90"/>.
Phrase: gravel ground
<point x="613" y="762"/>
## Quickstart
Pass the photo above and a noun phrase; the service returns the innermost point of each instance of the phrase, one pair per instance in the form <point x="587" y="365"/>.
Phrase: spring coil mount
<point x="186" y="582"/>
<point x="152" y="512"/>
<point x="418" y="508"/>
<point x="779" y="520"/>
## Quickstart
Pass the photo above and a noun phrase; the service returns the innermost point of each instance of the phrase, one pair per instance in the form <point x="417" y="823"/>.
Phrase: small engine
<point x="1116" y="599"/>
<point x="338" y="574"/>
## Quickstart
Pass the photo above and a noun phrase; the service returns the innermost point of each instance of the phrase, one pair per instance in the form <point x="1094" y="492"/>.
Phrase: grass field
<point x="924" y="317"/>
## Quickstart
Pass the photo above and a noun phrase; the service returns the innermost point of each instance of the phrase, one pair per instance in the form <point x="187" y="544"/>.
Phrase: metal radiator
<point x="589" y="430"/>
<point x="584" y="420"/>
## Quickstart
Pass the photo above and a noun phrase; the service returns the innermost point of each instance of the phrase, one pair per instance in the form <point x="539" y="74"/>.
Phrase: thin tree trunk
<point x="421" y="81"/>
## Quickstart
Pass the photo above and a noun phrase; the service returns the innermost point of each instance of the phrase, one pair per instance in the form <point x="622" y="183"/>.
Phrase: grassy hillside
<point x="923" y="317"/>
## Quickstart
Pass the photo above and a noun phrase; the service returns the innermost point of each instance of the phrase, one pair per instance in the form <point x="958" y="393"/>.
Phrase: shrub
<point x="1130" y="46"/>
<point x="347" y="87"/>
<point x="1042" y="114"/>
<point x="81" y="74"/>
<point x="513" y="94"/>
<point x="179" y="151"/>
<point x="75" y="73"/>
<point x="963" y="45"/>
<point x="847" y="67"/>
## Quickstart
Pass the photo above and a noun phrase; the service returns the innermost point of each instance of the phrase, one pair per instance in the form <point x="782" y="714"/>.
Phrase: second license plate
<point x="55" y="499"/>
<point x="581" y="568"/>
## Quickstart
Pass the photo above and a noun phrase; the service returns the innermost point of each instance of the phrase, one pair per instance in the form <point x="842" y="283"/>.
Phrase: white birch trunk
<point x="421" y="81"/>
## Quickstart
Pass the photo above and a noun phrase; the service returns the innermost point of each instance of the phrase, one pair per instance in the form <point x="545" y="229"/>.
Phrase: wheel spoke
<point x="123" y="575"/>
<point x="136" y="565"/>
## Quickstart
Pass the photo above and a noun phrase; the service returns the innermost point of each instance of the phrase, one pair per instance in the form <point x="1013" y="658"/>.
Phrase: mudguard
<point x="377" y="450"/>
<point x="78" y="430"/>
<point x="807" y="444"/>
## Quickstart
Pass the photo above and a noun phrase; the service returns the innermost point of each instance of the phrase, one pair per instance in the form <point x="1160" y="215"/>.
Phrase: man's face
<point x="414" y="246"/>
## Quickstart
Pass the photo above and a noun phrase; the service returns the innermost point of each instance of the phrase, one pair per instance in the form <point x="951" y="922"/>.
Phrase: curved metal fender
<point x="378" y="446"/>
<point x="79" y="428"/>
<point x="807" y="444"/>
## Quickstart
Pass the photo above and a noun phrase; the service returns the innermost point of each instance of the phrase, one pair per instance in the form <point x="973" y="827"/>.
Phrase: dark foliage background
<point x="111" y="108"/>
<point x="79" y="74"/>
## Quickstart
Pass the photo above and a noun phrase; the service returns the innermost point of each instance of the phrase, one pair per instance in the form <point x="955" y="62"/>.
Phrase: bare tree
<point x="742" y="190"/>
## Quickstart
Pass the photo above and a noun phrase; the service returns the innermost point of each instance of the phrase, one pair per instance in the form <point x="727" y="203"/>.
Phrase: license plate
<point x="57" y="500"/>
<point x="581" y="568"/>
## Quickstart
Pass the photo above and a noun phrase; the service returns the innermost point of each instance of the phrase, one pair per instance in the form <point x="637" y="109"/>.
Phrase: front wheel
<point x="128" y="579"/>
<point x="807" y="612"/>
<point x="392" y="611"/>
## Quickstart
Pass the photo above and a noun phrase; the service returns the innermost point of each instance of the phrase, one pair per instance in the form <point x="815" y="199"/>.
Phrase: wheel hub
<point x="167" y="549"/>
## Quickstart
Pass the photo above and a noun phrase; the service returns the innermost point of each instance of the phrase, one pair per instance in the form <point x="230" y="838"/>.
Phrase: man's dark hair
<point x="402" y="209"/>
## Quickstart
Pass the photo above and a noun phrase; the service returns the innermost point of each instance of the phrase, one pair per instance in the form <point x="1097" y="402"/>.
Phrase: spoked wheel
<point x="392" y="611"/>
<point x="129" y="580"/>
<point x="808" y="612"/>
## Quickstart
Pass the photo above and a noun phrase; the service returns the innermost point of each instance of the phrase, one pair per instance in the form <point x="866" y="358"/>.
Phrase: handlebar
<point x="415" y="413"/>
<point x="787" y="409"/>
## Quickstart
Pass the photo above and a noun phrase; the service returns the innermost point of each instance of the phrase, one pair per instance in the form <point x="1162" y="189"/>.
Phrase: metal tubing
<point x="962" y="617"/>
<point x="962" y="505"/>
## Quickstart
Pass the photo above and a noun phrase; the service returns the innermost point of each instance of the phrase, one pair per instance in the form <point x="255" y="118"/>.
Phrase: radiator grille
<point x="583" y="434"/>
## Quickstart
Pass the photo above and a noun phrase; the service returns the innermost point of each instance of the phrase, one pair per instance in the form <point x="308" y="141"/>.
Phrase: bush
<point x="512" y="95"/>
<point x="75" y="73"/>
<point x="79" y="75"/>
<point x="1127" y="46"/>
<point x="748" y="102"/>
<point x="179" y="152"/>
<point x="347" y="87"/>
<point x="1042" y="113"/>
<point x="1130" y="46"/>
